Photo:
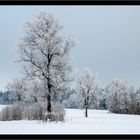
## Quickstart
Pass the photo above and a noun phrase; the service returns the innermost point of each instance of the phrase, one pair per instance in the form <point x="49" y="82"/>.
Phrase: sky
<point x="108" y="39"/>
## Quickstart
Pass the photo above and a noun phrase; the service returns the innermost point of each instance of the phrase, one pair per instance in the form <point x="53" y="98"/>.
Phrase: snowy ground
<point x="98" y="122"/>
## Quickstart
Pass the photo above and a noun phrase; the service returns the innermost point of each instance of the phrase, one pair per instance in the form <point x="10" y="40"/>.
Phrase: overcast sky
<point x="108" y="39"/>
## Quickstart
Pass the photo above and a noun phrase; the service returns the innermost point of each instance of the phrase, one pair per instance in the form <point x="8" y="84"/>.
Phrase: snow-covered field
<point x="98" y="122"/>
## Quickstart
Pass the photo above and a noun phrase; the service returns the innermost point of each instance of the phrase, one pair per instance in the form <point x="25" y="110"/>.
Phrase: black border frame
<point x="70" y="136"/>
<point x="68" y="3"/>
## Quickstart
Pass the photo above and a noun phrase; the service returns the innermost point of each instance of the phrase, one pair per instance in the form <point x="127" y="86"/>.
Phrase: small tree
<point x="86" y="89"/>
<point x="17" y="89"/>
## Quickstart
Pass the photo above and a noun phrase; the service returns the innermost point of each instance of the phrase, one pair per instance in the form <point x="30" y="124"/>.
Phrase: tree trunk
<point x="86" y="112"/>
<point x="49" y="103"/>
<point x="49" y="83"/>
<point x="49" y="97"/>
<point x="86" y="108"/>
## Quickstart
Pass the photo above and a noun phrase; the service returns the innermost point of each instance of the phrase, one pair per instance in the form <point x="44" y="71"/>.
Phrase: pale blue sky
<point x="108" y="39"/>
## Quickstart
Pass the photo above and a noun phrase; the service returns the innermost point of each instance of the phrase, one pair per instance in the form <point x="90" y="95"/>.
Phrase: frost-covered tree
<point x="69" y="99"/>
<point x="133" y="101"/>
<point x="17" y="89"/>
<point x="100" y="102"/>
<point x="86" y="88"/>
<point x="137" y="101"/>
<point x="45" y="53"/>
<point x="73" y="101"/>
<point x="123" y="98"/>
<point x="118" y="96"/>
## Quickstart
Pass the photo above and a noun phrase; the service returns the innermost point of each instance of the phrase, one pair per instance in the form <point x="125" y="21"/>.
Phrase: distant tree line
<point x="123" y="98"/>
<point x="4" y="98"/>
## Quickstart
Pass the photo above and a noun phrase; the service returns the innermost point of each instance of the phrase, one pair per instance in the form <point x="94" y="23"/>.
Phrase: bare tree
<point x="86" y="89"/>
<point x="46" y="54"/>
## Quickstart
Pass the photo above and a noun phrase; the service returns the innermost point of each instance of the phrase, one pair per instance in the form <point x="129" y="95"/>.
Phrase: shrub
<point x="32" y="112"/>
<point x="12" y="112"/>
<point x="36" y="111"/>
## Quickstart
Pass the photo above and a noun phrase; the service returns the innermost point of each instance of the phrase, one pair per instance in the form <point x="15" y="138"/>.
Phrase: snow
<point x="98" y="122"/>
